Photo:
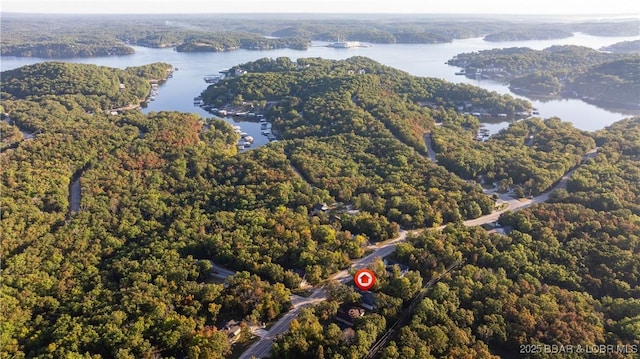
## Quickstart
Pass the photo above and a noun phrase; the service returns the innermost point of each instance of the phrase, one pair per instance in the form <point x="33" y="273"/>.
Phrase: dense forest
<point x="564" y="280"/>
<point x="623" y="47"/>
<point x="566" y="275"/>
<point x="569" y="71"/>
<point x="534" y="33"/>
<point x="165" y="196"/>
<point x="101" y="35"/>
<point x="94" y="88"/>
<point x="344" y="120"/>
<point x="528" y="157"/>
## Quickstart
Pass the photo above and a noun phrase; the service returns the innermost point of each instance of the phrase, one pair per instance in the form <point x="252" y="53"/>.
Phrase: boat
<point x="347" y="44"/>
<point x="461" y="72"/>
<point x="243" y="134"/>
<point x="248" y="139"/>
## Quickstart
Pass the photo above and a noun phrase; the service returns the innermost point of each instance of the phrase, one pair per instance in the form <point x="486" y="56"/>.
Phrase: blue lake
<point x="418" y="59"/>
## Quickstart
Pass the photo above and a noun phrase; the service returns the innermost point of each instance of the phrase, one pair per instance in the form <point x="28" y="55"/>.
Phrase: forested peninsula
<point x="165" y="196"/>
<point x="623" y="47"/>
<point x="609" y="79"/>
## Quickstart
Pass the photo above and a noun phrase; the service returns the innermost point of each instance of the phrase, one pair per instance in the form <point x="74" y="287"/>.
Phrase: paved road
<point x="432" y="153"/>
<point x="261" y="348"/>
<point x="74" y="196"/>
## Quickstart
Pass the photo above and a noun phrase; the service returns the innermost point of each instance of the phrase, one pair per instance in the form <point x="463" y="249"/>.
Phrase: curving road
<point x="261" y="348"/>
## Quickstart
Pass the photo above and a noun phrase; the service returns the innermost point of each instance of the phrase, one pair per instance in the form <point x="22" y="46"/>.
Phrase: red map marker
<point x="364" y="279"/>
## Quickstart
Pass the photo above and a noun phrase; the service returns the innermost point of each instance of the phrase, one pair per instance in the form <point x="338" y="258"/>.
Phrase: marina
<point x="250" y="133"/>
<point x="212" y="79"/>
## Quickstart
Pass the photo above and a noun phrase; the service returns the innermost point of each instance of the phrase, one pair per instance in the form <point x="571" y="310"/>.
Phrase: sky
<point x="533" y="7"/>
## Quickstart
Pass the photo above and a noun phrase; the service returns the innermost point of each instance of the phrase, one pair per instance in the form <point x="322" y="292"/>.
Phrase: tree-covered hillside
<point x="343" y="120"/>
<point x="616" y="82"/>
<point x="112" y="223"/>
<point x="564" y="280"/>
<point x="623" y="47"/>
<point x="64" y="36"/>
<point x="92" y="87"/>
<point x="528" y="157"/>
<point x="127" y="272"/>
<point x="569" y="71"/>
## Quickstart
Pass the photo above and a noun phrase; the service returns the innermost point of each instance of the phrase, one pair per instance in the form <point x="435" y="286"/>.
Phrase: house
<point x="232" y="329"/>
<point x="403" y="269"/>
<point x="320" y="208"/>
<point x="504" y="230"/>
<point x="348" y="313"/>
<point x="367" y="300"/>
<point x="500" y="229"/>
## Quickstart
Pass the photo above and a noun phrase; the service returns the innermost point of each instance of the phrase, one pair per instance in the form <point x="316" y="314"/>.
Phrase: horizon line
<point x="637" y="15"/>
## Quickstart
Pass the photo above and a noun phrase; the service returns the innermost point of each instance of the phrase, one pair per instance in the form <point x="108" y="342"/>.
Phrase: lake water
<point x="418" y="59"/>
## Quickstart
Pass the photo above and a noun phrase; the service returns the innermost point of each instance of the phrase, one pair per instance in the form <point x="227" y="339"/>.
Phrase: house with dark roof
<point x="320" y="208"/>
<point x="367" y="300"/>
<point x="348" y="313"/>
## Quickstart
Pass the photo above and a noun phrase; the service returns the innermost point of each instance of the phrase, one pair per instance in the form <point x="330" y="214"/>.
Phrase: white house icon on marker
<point x="364" y="278"/>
